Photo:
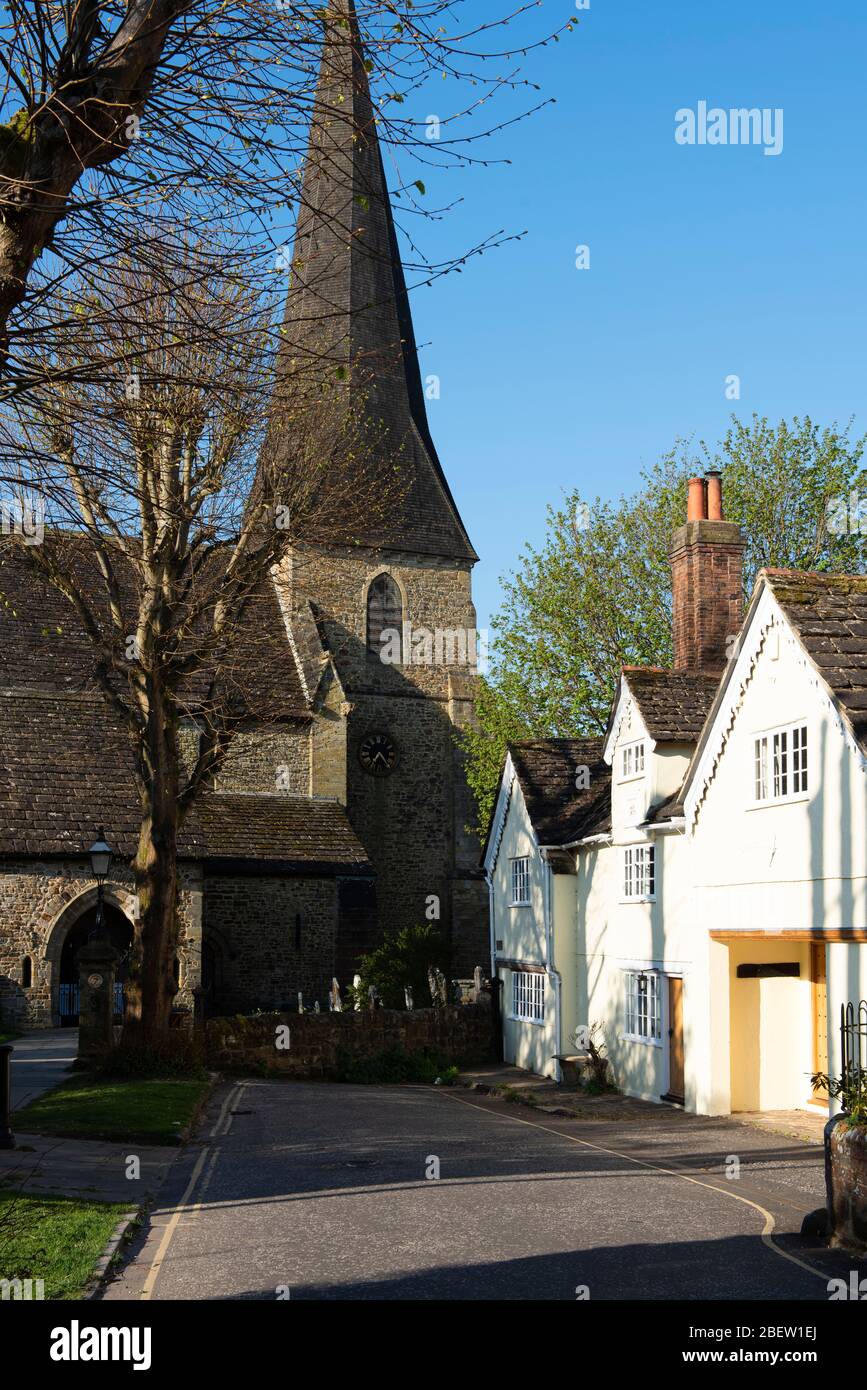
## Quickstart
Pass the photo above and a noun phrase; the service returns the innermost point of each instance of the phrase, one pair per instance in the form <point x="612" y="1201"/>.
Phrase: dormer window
<point x="632" y="761"/>
<point x="780" y="764"/>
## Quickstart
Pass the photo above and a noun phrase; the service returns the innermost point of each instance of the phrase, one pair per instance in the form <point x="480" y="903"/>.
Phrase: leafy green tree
<point x="597" y="595"/>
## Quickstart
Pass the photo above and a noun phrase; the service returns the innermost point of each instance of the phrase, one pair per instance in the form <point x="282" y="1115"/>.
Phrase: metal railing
<point x="69" y="1000"/>
<point x="853" y="1039"/>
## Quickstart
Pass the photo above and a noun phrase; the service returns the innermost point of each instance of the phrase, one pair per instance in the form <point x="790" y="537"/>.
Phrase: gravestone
<point x="438" y="985"/>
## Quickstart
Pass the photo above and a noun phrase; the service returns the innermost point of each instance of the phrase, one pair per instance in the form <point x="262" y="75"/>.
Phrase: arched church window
<point x="385" y="620"/>
<point x="26" y="973"/>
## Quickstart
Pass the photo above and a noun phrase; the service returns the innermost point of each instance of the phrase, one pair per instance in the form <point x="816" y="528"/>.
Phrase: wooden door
<point x="820" y="1013"/>
<point x="675" y="1038"/>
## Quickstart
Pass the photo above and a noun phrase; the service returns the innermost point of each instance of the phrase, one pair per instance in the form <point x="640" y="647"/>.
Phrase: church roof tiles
<point x="66" y="769"/>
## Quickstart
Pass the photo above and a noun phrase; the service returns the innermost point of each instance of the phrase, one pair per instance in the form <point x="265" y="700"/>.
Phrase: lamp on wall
<point x="101" y="855"/>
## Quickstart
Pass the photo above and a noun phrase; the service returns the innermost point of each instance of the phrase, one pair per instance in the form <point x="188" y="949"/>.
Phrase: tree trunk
<point x="151" y="985"/>
<point x="78" y="124"/>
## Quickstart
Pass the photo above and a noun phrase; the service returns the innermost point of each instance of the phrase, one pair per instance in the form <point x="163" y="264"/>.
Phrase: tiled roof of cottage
<point x="546" y="770"/>
<point x="671" y="809"/>
<point x="673" y="704"/>
<point x="66" y="769"/>
<point x="829" y="614"/>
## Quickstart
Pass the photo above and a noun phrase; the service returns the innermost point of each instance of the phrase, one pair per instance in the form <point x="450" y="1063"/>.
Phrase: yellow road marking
<point x="172" y="1225"/>
<point x="770" y="1223"/>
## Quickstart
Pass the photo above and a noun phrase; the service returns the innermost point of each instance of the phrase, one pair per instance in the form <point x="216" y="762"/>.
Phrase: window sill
<point x="628" y="902"/>
<point x="524" y="904"/>
<point x="778" y="801"/>
<point x="536" y="1022"/>
<point x="634" y="1038"/>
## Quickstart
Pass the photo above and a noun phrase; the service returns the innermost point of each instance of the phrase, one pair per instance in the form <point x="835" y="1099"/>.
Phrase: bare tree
<point x="167" y="514"/>
<point x="121" y="114"/>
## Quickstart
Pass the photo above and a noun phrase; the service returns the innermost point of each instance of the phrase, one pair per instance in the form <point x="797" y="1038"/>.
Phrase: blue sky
<point x="705" y="261"/>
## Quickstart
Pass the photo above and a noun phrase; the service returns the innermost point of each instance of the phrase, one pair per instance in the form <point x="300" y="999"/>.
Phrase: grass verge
<point x="87" y="1107"/>
<point x="55" y="1239"/>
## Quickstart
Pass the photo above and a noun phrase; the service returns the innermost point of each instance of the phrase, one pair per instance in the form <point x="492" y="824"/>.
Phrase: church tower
<point x="389" y="587"/>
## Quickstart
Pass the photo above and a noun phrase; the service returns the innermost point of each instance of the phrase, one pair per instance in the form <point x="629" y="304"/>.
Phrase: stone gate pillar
<point x="97" y="964"/>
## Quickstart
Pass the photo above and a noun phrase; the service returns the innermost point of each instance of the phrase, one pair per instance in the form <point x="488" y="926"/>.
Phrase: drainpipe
<point x="552" y="973"/>
<point x="496" y="982"/>
<point x="492" y="926"/>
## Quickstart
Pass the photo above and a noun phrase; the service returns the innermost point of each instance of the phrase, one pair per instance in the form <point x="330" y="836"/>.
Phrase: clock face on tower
<point x="378" y="754"/>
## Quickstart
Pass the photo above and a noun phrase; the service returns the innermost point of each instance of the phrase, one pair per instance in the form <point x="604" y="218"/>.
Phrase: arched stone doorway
<point x="120" y="934"/>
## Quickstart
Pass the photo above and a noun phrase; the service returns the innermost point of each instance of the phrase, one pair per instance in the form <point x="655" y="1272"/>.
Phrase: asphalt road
<point x="314" y="1191"/>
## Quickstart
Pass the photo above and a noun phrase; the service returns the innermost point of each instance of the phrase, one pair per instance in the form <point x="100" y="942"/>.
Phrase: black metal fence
<point x="69" y="999"/>
<point x="853" y="1037"/>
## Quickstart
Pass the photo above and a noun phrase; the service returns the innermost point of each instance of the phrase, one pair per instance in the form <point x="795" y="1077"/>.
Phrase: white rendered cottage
<point x="551" y="792"/>
<point x="720" y="905"/>
<point x="775" y="809"/>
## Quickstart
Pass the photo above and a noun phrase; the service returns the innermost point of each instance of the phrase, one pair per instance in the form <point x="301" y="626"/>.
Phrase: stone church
<point x="344" y="813"/>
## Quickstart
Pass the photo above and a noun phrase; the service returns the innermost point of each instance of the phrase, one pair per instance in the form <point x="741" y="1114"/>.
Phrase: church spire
<point x="347" y="309"/>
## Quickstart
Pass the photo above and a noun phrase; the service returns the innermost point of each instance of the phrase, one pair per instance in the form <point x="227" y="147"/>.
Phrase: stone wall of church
<point x="41" y="901"/>
<point x="328" y="745"/>
<point x="412" y="822"/>
<point x="274" y="757"/>
<point x="269" y="937"/>
<point x="437" y="597"/>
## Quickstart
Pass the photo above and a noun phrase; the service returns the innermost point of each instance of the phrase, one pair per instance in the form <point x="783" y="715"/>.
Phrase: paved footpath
<point x="322" y="1191"/>
<point x="40" y="1061"/>
<point x="89" y="1168"/>
<point x="74" y="1167"/>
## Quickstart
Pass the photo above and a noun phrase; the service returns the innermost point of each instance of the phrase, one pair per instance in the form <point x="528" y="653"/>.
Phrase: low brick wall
<point x="457" y="1034"/>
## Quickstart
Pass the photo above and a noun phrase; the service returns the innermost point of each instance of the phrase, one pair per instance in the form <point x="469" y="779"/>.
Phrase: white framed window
<point x="643" y="1006"/>
<point x="521" y="881"/>
<point x="800" y="775"/>
<point x="639" y="871"/>
<point x="632" y="760"/>
<point x="781" y="764"/>
<point x="528" y="996"/>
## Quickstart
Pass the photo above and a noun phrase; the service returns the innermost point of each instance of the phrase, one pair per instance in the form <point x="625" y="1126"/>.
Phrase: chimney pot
<point x="696" y="503"/>
<point x="714" y="495"/>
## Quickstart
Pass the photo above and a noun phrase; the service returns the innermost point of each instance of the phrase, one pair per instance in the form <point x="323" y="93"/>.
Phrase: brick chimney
<point x="706" y="581"/>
